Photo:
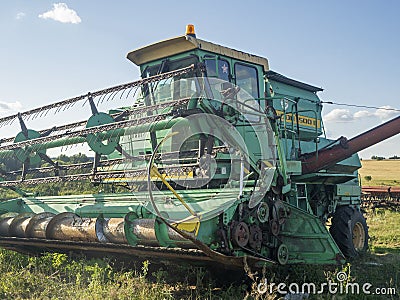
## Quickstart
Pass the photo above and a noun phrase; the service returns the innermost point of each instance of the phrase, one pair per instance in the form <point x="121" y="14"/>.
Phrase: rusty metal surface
<point x="69" y="226"/>
<point x="381" y="189"/>
<point x="5" y="223"/>
<point x="330" y="156"/>
<point x="145" y="252"/>
<point x="111" y="230"/>
<point x="37" y="246"/>
<point x="380" y="196"/>
<point x="37" y="225"/>
<point x="19" y="223"/>
<point x="144" y="230"/>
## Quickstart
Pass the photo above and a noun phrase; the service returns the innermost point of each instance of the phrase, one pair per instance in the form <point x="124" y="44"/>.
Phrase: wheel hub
<point x="358" y="236"/>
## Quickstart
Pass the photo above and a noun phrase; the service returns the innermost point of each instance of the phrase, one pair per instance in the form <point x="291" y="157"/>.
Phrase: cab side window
<point x="247" y="79"/>
<point x="218" y="68"/>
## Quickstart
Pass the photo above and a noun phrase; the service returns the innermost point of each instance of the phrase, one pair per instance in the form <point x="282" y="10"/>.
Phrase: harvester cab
<point x="217" y="158"/>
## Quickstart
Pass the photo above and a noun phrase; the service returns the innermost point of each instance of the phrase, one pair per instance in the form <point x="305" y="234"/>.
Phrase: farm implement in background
<point x="380" y="196"/>
<point x="221" y="160"/>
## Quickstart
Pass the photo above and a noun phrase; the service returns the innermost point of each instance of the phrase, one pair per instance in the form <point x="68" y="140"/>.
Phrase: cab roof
<point x="289" y="81"/>
<point x="185" y="43"/>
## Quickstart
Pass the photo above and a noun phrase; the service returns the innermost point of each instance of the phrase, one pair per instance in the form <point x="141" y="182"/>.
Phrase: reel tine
<point x="122" y="93"/>
<point x="100" y="101"/>
<point x="108" y="97"/>
<point x="45" y="112"/>
<point x="41" y="113"/>
<point x="59" y="107"/>
<point x="100" y="98"/>
<point x="134" y="94"/>
<point x="129" y="93"/>
<point x="114" y="94"/>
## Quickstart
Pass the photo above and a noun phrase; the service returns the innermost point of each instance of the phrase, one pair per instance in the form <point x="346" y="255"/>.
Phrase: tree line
<point x="10" y="164"/>
<point x="383" y="158"/>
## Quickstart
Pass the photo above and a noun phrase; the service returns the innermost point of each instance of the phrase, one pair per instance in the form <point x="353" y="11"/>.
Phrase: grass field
<point x="56" y="276"/>
<point x="383" y="172"/>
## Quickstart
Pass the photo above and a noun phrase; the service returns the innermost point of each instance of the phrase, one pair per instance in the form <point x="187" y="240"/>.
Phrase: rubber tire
<point x="343" y="223"/>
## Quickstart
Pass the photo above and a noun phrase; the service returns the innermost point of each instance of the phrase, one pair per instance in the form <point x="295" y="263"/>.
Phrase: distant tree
<point x="377" y="157"/>
<point x="368" y="178"/>
<point x="11" y="164"/>
<point x="79" y="158"/>
<point x="63" y="158"/>
<point x="394" y="157"/>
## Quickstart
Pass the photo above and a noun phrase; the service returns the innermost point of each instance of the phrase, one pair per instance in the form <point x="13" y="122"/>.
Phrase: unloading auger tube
<point x="210" y="158"/>
<point x="345" y="148"/>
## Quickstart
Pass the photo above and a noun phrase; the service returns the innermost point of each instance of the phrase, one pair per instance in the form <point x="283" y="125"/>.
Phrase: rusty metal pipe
<point x="111" y="230"/>
<point x="143" y="229"/>
<point x="70" y="227"/>
<point x="146" y="232"/>
<point x="328" y="157"/>
<point x="37" y="225"/>
<point x="18" y="224"/>
<point x="5" y="223"/>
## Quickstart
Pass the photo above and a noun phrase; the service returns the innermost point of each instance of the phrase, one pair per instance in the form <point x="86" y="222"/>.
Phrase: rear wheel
<point x="350" y="231"/>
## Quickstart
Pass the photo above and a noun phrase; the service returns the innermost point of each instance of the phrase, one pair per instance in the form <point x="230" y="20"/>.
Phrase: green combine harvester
<point x="217" y="159"/>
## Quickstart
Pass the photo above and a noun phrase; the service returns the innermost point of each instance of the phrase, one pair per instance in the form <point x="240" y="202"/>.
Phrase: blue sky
<point x="350" y="48"/>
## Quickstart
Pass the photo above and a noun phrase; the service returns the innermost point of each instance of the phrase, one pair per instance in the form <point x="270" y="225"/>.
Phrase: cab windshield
<point x="174" y="88"/>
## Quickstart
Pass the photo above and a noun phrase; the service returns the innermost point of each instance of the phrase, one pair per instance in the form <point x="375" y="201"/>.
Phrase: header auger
<point x="216" y="158"/>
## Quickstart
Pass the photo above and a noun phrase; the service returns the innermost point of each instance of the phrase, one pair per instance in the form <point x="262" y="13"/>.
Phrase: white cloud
<point x="20" y="15"/>
<point x="62" y="13"/>
<point x="6" y="107"/>
<point x="344" y="115"/>
<point x="363" y="114"/>
<point x="386" y="112"/>
<point x="339" y="115"/>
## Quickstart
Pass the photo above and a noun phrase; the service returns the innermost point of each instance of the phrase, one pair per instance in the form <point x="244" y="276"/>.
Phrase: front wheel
<point x="350" y="231"/>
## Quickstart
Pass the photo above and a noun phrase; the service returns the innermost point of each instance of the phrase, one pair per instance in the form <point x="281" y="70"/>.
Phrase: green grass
<point x="56" y="276"/>
<point x="384" y="230"/>
<point x="381" y="266"/>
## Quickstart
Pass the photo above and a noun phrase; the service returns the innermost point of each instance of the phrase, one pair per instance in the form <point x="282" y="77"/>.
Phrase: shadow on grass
<point x="384" y="250"/>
